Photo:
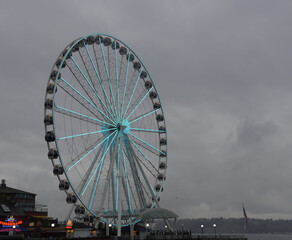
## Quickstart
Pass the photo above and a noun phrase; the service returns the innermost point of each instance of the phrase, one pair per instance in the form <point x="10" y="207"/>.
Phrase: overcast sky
<point x="222" y="70"/>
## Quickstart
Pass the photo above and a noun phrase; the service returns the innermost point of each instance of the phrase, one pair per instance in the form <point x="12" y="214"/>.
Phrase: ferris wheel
<point x="105" y="130"/>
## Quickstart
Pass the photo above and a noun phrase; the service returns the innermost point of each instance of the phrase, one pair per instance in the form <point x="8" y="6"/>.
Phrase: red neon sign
<point x="10" y="223"/>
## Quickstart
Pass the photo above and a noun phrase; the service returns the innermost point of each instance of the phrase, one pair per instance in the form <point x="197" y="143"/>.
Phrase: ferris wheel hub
<point x="125" y="126"/>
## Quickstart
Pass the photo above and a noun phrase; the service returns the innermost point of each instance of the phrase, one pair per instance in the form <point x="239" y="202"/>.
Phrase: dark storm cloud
<point x="222" y="70"/>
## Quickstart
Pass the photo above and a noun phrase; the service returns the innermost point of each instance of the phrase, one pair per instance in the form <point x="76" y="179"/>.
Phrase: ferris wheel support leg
<point x="119" y="204"/>
<point x="131" y="229"/>
<point x="134" y="173"/>
<point x="108" y="177"/>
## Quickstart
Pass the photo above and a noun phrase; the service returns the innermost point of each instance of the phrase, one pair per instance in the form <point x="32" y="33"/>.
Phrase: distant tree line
<point x="231" y="225"/>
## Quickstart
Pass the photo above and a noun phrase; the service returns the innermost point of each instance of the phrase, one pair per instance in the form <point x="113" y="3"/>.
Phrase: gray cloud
<point x="222" y="70"/>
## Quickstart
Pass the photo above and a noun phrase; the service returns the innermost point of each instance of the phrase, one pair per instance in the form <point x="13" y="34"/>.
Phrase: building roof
<point x="5" y="189"/>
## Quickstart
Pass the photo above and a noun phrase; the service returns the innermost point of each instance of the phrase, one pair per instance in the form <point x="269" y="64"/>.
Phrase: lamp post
<point x="52" y="226"/>
<point x="214" y="226"/>
<point x="202" y="229"/>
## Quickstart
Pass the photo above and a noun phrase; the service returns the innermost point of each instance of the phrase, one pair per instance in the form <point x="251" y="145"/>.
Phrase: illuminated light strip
<point x="100" y="83"/>
<point x="107" y="74"/>
<point x="139" y="149"/>
<point x="85" y="98"/>
<point x="144" y="115"/>
<point x="91" y="150"/>
<point x="95" y="119"/>
<point x="139" y="103"/>
<point x="133" y="92"/>
<point x="147" y="130"/>
<point x="118" y="175"/>
<point x="147" y="143"/>
<point x="127" y="181"/>
<point x="100" y="169"/>
<point x="83" y="134"/>
<point x="125" y="83"/>
<point x="117" y="81"/>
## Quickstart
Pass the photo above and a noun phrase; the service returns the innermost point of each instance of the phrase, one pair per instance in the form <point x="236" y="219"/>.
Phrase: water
<point x="269" y="236"/>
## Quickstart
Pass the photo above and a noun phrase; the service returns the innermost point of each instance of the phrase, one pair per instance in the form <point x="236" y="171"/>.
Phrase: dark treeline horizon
<point x="231" y="225"/>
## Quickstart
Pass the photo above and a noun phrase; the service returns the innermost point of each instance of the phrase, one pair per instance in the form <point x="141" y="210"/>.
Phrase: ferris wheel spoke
<point x="76" y="97"/>
<point x="145" y="158"/>
<point x="91" y="150"/>
<point x="107" y="73"/>
<point x="147" y="130"/>
<point x="86" y="150"/>
<point x="96" y="72"/>
<point x="145" y="178"/>
<point x="147" y="143"/>
<point x="139" y="150"/>
<point x="108" y="175"/>
<point x="125" y="87"/>
<point x="73" y="114"/>
<point x="117" y="78"/>
<point x="118" y="175"/>
<point x="106" y="184"/>
<point x="144" y="115"/>
<point x="133" y="92"/>
<point x="88" y="133"/>
<point x="139" y="103"/>
<point x="137" y="181"/>
<point x="81" y="189"/>
<point x="127" y="183"/>
<point x="146" y="147"/>
<point x="93" y="105"/>
<point x="91" y="88"/>
<point x="82" y="84"/>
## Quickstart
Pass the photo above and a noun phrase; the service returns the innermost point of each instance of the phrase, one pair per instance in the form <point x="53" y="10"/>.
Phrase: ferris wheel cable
<point x="86" y="99"/>
<point x="107" y="75"/>
<point x="84" y="134"/>
<point x="97" y="120"/>
<point x="143" y="173"/>
<point x="147" y="130"/>
<point x="133" y="92"/>
<point x="125" y="83"/>
<point x="82" y="84"/>
<point x="127" y="181"/>
<point x="79" y="155"/>
<point x="106" y="185"/>
<point x="73" y="115"/>
<point x="102" y="160"/>
<point x="118" y="174"/>
<point x="139" y="103"/>
<point x="136" y="177"/>
<point x="89" y="170"/>
<point x="147" y="143"/>
<point x="135" y="181"/>
<point x="99" y="81"/>
<point x="91" y="88"/>
<point x="126" y="190"/>
<point x="146" y="147"/>
<point x="146" y="159"/>
<point x="117" y="78"/>
<point x="144" y="115"/>
<point x="139" y="150"/>
<point x="91" y="150"/>
<point x="98" y="76"/>
<point x="76" y="97"/>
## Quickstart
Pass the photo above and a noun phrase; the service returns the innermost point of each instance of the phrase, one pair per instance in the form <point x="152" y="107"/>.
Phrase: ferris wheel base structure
<point x="105" y="130"/>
